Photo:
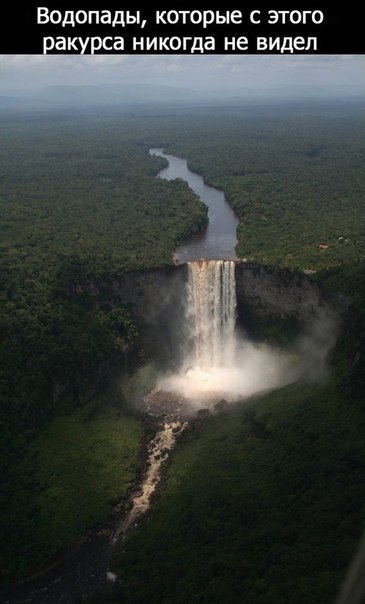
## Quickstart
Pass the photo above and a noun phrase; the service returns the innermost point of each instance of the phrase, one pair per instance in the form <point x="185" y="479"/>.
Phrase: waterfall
<point x="211" y="312"/>
<point x="216" y="363"/>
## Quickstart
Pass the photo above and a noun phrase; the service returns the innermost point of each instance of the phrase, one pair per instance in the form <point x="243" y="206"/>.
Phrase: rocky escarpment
<point x="157" y="297"/>
<point x="275" y="291"/>
<point x="140" y="288"/>
<point x="270" y="290"/>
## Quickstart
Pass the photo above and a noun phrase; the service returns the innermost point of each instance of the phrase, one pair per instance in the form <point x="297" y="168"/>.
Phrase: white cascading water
<point x="211" y="312"/>
<point x="216" y="363"/>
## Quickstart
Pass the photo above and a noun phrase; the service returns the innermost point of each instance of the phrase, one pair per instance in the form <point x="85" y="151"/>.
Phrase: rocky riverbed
<point x="86" y="569"/>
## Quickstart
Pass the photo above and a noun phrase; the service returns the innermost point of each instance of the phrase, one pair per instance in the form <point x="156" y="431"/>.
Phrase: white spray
<point x="217" y="363"/>
<point x="211" y="312"/>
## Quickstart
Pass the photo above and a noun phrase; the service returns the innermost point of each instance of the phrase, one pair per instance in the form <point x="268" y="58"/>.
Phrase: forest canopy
<point x="80" y="201"/>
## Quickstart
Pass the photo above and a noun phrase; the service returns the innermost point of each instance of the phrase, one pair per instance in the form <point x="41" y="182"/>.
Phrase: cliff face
<point x="140" y="288"/>
<point x="266" y="297"/>
<point x="276" y="292"/>
<point x="157" y="298"/>
<point x="158" y="295"/>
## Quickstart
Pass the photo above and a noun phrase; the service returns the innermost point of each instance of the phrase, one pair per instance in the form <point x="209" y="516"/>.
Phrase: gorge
<point x="106" y="365"/>
<point x="195" y="318"/>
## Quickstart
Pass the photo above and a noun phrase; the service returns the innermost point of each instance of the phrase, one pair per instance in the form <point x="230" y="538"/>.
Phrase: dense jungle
<point x="265" y="498"/>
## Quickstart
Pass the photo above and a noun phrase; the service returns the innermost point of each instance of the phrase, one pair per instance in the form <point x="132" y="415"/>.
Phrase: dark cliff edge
<point x="270" y="290"/>
<point x="278" y="292"/>
<point x="157" y="296"/>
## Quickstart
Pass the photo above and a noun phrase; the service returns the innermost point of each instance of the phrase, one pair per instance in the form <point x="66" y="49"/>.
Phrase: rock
<point x="201" y="413"/>
<point x="112" y="577"/>
<point x="275" y="291"/>
<point x="221" y="405"/>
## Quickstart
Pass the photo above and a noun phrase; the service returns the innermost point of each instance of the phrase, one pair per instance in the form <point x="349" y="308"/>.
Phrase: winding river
<point x="86" y="569"/>
<point x="219" y="240"/>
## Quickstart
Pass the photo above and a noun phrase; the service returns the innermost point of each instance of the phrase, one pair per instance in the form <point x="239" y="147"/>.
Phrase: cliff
<point x="157" y="297"/>
<point x="270" y="290"/>
<point x="277" y="292"/>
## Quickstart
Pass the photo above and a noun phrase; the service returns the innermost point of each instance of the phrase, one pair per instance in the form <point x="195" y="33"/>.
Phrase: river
<point x="86" y="569"/>
<point x="219" y="240"/>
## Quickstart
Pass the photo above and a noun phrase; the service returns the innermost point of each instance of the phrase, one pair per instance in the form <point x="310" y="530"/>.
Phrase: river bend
<point x="219" y="240"/>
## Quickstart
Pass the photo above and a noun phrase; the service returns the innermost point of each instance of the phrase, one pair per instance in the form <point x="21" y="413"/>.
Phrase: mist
<point x="54" y="81"/>
<point x="219" y="362"/>
<point x="257" y="367"/>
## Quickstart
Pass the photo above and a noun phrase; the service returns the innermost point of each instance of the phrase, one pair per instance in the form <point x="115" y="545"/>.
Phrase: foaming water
<point x="220" y="364"/>
<point x="255" y="369"/>
<point x="216" y="363"/>
<point x="158" y="452"/>
<point x="211" y="313"/>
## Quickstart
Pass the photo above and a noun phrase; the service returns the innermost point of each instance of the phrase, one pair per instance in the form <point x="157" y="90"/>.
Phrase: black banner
<point x="69" y="27"/>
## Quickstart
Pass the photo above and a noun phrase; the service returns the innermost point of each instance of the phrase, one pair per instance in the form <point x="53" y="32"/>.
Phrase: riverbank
<point x="79" y="466"/>
<point x="252" y="504"/>
<point x="85" y="569"/>
<point x="218" y="240"/>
